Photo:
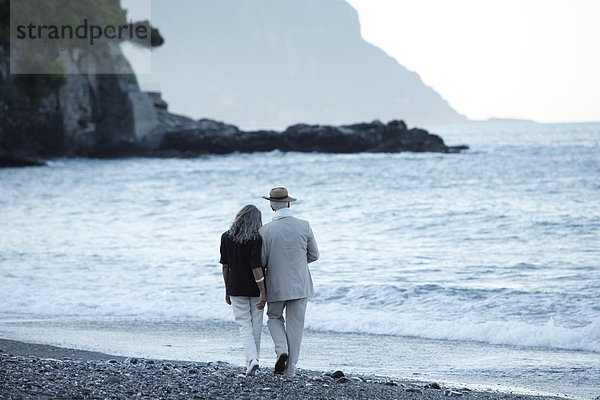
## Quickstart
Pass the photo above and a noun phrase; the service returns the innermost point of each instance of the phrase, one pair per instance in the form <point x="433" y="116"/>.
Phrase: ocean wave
<point x="337" y="313"/>
<point x="550" y="335"/>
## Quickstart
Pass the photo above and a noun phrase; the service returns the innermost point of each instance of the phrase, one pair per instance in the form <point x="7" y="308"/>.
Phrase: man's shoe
<point x="252" y="368"/>
<point x="281" y="363"/>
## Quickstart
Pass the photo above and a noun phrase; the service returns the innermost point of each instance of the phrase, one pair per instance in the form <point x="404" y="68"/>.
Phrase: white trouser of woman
<point x="249" y="320"/>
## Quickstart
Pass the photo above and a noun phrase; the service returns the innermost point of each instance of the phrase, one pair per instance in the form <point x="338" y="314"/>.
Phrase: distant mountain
<point x="497" y="120"/>
<point x="272" y="63"/>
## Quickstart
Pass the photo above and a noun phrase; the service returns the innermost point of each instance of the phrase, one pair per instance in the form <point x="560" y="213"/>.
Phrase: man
<point x="288" y="247"/>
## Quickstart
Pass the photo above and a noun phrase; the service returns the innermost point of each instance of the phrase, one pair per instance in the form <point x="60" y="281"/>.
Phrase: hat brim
<point x="285" y="200"/>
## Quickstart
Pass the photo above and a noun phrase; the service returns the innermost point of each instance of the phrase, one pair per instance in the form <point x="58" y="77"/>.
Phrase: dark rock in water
<point x="12" y="162"/>
<point x="208" y="136"/>
<point x="457" y="149"/>
<point x="336" y="374"/>
<point x="213" y="137"/>
<point x="343" y="379"/>
<point x="414" y="390"/>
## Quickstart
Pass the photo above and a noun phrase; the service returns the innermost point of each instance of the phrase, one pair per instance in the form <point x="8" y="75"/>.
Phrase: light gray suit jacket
<point x="288" y="246"/>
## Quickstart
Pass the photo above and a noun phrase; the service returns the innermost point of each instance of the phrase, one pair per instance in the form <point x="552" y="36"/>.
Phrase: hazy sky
<point x="532" y="59"/>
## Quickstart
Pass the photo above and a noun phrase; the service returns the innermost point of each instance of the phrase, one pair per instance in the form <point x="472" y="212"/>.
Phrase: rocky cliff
<point x="75" y="114"/>
<point x="88" y="115"/>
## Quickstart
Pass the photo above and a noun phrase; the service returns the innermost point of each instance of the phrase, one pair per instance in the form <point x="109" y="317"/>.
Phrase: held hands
<point x="262" y="302"/>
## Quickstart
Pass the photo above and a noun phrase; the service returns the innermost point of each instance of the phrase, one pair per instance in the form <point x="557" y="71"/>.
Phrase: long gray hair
<point x="246" y="224"/>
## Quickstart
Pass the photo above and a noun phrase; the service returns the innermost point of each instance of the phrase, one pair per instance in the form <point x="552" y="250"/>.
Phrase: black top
<point x="241" y="258"/>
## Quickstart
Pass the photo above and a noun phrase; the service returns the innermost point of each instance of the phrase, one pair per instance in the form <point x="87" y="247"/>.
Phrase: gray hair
<point x="278" y="205"/>
<point x="246" y="224"/>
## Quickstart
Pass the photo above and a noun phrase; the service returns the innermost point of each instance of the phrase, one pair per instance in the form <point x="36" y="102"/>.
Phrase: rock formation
<point x="89" y="115"/>
<point x="107" y="115"/>
<point x="208" y="136"/>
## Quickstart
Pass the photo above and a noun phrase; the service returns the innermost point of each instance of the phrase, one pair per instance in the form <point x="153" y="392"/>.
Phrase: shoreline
<point x="480" y="367"/>
<point x="44" y="371"/>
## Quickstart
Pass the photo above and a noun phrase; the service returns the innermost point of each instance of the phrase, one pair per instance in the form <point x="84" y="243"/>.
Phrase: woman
<point x="244" y="280"/>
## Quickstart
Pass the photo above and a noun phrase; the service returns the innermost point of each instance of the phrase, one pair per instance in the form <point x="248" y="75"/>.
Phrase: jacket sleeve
<point x="312" y="251"/>
<point x="264" y="250"/>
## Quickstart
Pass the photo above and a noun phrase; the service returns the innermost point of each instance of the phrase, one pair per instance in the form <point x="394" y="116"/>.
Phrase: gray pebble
<point x="452" y="393"/>
<point x="28" y="377"/>
<point x="433" y="385"/>
<point x="112" y="380"/>
<point x="336" y="374"/>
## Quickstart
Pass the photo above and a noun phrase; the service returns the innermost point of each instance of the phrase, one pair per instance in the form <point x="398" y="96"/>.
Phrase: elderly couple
<point x="284" y="247"/>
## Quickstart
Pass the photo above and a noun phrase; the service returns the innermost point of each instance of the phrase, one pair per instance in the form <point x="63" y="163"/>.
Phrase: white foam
<point x="341" y="315"/>
<point x="340" y="318"/>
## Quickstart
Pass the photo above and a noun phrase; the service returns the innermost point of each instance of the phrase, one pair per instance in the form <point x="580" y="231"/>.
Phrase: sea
<point x="480" y="268"/>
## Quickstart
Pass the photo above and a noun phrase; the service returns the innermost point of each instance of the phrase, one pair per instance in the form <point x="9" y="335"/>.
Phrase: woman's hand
<point x="259" y="278"/>
<point x="262" y="302"/>
<point x="227" y="299"/>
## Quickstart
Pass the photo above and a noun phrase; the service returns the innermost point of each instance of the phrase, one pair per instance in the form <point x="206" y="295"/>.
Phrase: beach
<point x="45" y="372"/>
<point x="442" y="216"/>
<point x="411" y="361"/>
<point x="478" y="269"/>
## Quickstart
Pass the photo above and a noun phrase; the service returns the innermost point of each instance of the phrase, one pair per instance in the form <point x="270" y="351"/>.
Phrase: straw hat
<point x="279" y="194"/>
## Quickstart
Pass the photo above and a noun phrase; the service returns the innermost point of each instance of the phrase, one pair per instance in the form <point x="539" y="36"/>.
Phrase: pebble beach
<point x="46" y="372"/>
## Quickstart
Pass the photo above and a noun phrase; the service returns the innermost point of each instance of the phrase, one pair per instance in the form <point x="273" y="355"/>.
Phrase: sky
<point x="523" y="59"/>
<point x="530" y="59"/>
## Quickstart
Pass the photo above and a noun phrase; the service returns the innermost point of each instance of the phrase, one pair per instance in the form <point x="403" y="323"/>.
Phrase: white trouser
<point x="249" y="320"/>
<point x="287" y="336"/>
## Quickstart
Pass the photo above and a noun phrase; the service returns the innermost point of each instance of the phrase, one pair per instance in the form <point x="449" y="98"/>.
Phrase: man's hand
<point x="262" y="302"/>
<point x="227" y="299"/>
